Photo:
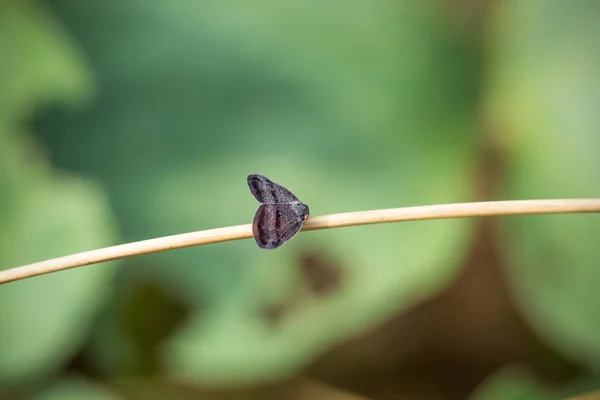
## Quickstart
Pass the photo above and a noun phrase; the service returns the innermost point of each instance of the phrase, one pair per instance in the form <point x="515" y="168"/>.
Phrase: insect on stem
<point x="459" y="210"/>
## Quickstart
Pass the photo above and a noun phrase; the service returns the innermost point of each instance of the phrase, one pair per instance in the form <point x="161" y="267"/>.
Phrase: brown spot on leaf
<point x="321" y="274"/>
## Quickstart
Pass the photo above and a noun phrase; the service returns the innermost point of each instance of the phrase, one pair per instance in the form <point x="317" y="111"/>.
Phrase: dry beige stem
<point x="460" y="210"/>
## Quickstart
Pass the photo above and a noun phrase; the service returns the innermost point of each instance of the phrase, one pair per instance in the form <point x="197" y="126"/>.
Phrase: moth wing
<point x="275" y="224"/>
<point x="268" y="192"/>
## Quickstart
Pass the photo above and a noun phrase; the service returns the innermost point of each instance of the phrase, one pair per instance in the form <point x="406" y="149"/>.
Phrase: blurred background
<point x="127" y="120"/>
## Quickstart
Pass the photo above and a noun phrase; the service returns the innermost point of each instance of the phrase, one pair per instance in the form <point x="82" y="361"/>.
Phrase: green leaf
<point x="547" y="91"/>
<point x="38" y="63"/>
<point x="512" y="384"/>
<point x="44" y="214"/>
<point x="74" y="388"/>
<point x="515" y="383"/>
<point x="44" y="319"/>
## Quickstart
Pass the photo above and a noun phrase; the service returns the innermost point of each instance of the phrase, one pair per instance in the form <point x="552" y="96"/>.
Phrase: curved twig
<point x="460" y="210"/>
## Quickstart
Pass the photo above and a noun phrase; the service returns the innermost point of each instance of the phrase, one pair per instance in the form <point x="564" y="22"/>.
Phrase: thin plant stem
<point x="459" y="210"/>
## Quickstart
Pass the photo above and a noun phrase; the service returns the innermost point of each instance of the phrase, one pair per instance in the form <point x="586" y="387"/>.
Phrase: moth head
<point x="300" y="209"/>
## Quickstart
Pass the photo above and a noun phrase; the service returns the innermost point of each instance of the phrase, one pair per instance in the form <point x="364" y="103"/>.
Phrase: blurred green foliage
<point x="306" y="120"/>
<point x="75" y="389"/>
<point x="548" y="95"/>
<point x="44" y="213"/>
<point x="352" y="105"/>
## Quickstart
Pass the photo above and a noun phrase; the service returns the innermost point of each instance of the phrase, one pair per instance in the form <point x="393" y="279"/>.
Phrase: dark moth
<point x="280" y="216"/>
